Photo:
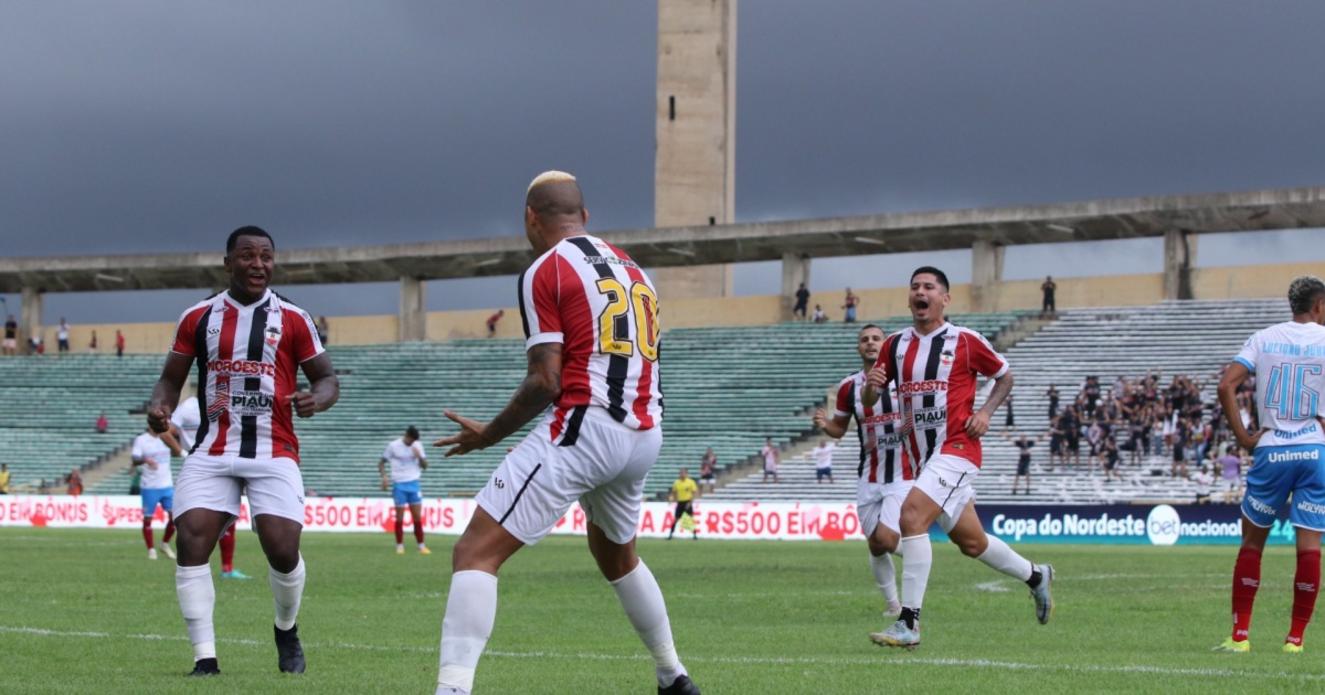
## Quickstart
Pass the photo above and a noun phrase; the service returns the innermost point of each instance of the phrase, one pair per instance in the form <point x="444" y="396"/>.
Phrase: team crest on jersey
<point x="273" y="335"/>
<point x="946" y="358"/>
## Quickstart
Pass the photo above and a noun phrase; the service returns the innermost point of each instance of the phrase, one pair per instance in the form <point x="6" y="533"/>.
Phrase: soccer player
<point x="935" y="365"/>
<point x="186" y="419"/>
<point x="883" y="476"/>
<point x="683" y="493"/>
<point x="1288" y="454"/>
<point x="590" y="317"/>
<point x="407" y="460"/>
<point x="152" y="451"/>
<point x="249" y="344"/>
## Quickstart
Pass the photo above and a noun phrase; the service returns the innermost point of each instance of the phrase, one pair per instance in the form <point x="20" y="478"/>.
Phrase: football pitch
<point x="85" y="611"/>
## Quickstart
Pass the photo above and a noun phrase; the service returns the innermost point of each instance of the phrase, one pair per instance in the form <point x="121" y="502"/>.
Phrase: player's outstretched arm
<point x="541" y="386"/>
<point x="165" y="395"/>
<point x="323" y="390"/>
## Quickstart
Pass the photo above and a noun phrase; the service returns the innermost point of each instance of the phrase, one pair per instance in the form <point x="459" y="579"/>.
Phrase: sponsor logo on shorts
<point x="915" y="388"/>
<point x="1300" y="455"/>
<point x="1311" y="508"/>
<point x="1259" y="505"/>
<point x="241" y="368"/>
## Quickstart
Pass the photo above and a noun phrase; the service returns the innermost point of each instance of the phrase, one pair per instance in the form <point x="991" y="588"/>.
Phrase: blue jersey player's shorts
<point x="406" y="493"/>
<point x="1279" y="471"/>
<point x="165" y="496"/>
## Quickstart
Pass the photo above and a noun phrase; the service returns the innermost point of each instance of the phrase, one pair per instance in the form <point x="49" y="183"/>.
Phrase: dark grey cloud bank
<point x="156" y="126"/>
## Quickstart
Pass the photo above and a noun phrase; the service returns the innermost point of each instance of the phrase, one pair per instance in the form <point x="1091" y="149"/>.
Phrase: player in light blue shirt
<point x="1288" y="361"/>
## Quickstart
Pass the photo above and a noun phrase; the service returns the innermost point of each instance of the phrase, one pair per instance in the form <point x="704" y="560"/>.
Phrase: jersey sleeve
<point x="137" y="452"/>
<point x="844" y="407"/>
<point x="886" y="357"/>
<point x="540" y="298"/>
<point x="1248" y="354"/>
<point x="983" y="358"/>
<point x="418" y="451"/>
<point x="386" y="453"/>
<point x="304" y="340"/>
<point x="186" y="332"/>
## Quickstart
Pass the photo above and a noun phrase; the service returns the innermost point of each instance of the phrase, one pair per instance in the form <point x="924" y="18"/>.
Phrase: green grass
<point x="84" y="611"/>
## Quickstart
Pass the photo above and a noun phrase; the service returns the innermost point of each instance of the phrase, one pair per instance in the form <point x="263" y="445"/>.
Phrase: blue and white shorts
<point x="164" y="496"/>
<point x="406" y="493"/>
<point x="1280" y="471"/>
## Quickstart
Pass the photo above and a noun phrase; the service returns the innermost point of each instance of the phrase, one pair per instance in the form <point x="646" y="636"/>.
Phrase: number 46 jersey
<point x="593" y="299"/>
<point x="1288" y="360"/>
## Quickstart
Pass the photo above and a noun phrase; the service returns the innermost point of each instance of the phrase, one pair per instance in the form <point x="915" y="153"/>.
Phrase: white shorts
<point x="877" y="503"/>
<point x="273" y="486"/>
<point x="604" y="469"/>
<point x="11" y="344"/>
<point x="948" y="480"/>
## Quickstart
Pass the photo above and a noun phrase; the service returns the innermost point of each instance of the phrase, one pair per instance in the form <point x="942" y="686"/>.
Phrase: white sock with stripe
<point x="885" y="575"/>
<point x="644" y="604"/>
<point x="917" y="557"/>
<point x="471" y="610"/>
<point x="197" y="596"/>
<point x="1006" y="560"/>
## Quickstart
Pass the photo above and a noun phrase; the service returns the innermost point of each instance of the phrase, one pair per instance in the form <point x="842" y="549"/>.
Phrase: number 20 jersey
<point x="1288" y="360"/>
<point x="593" y="299"/>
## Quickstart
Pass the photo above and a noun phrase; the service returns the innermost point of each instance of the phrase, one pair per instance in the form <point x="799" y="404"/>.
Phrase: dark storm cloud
<point x="145" y="126"/>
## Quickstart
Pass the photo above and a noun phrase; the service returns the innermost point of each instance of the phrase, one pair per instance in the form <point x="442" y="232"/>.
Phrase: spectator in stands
<point x="62" y="336"/>
<point x="1023" y="444"/>
<point x="1056" y="455"/>
<point x="92" y="344"/>
<point x="4" y="479"/>
<point x="322" y="328"/>
<point x="802" y="301"/>
<point x="708" y="469"/>
<point x="1181" y="433"/>
<point x="75" y="483"/>
<point x="849" y="304"/>
<point x="1009" y="421"/>
<point x="1109" y="454"/>
<point x="1230" y="473"/>
<point x="1138" y="440"/>
<point x="103" y="424"/>
<point x="492" y="322"/>
<point x="119" y="343"/>
<point x="1052" y="395"/>
<point x="823" y="461"/>
<point x="819" y="316"/>
<point x="1204" y="483"/>
<point x="1095" y="437"/>
<point x="771" y="458"/>
<point x="1048" y="307"/>
<point x="10" y="346"/>
<point x="36" y="345"/>
<point x="1070" y="424"/>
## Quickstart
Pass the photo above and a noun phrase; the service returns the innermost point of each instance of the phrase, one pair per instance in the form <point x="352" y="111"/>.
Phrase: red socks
<point x="170" y="530"/>
<point x="400" y="531"/>
<point x="418" y="531"/>
<point x="228" y="550"/>
<point x="1246" y="580"/>
<point x="147" y="532"/>
<point x="1306" y="584"/>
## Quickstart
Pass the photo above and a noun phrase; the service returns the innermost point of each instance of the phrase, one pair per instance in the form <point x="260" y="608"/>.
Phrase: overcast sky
<point x="160" y="126"/>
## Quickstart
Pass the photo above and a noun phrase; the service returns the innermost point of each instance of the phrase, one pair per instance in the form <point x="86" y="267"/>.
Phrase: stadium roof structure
<point x="1123" y="218"/>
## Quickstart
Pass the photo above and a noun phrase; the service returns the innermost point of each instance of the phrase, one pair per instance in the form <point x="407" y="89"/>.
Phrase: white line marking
<point x="995" y="587"/>
<point x="901" y="660"/>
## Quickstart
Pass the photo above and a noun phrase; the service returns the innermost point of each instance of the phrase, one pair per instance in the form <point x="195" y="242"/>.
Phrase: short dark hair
<point x="412" y="432"/>
<point x="1303" y="293"/>
<point x="868" y="326"/>
<point x="248" y="230"/>
<point x="942" y="277"/>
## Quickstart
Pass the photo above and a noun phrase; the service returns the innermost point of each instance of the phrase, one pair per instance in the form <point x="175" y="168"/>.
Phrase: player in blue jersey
<point x="1288" y="361"/>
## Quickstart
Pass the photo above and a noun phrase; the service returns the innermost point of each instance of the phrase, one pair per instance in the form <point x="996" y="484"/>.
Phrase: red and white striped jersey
<point x="936" y="381"/>
<point x="247" y="358"/>
<point x="879" y="427"/>
<point x="593" y="299"/>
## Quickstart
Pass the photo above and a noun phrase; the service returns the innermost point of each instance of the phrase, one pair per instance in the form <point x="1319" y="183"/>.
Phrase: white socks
<point x="917" y="558"/>
<point x="471" y="609"/>
<point x="193" y="586"/>
<point x="287" y="590"/>
<point x="884" y="575"/>
<point x="1006" y="560"/>
<point x="644" y="605"/>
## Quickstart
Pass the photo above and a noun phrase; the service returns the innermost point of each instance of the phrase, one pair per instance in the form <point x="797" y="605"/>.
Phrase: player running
<point x="884" y="476"/>
<point x="152" y="451"/>
<point x="407" y="460"/>
<point x="590" y="317"/>
<point x="186" y="419"/>
<point x="934" y="365"/>
<point x="1288" y="361"/>
<point x="247" y="342"/>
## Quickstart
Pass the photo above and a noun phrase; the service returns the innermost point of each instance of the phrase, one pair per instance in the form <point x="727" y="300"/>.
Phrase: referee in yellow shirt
<point x="683" y="493"/>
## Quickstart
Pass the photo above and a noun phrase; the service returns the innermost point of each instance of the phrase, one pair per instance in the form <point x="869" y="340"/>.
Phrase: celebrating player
<point x="590" y="317"/>
<point x="152" y="451"/>
<point x="934" y="365"/>
<point x="407" y="460"/>
<point x="884" y="476"/>
<point x="186" y="419"/>
<point x="1288" y="452"/>
<point x="247" y="342"/>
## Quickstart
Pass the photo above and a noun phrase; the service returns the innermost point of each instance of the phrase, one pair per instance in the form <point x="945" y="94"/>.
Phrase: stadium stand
<point x="1195" y="338"/>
